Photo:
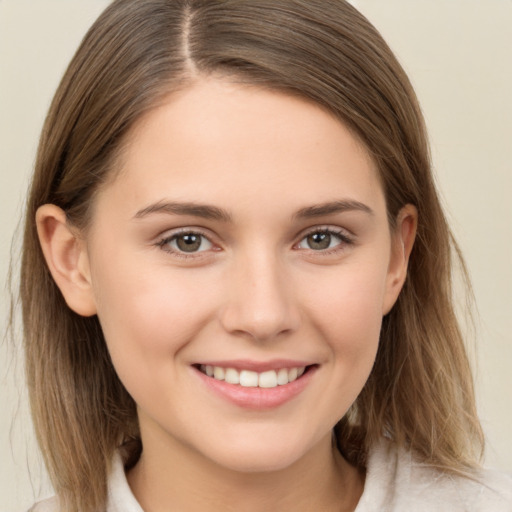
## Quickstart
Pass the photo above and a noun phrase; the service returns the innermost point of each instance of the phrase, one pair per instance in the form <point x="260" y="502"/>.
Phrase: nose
<point x="261" y="303"/>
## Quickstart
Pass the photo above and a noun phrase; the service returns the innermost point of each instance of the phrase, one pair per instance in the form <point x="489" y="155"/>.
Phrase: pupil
<point x="319" y="240"/>
<point x="189" y="243"/>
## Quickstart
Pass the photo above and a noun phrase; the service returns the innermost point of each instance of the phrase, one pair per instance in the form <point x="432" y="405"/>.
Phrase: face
<point x="245" y="236"/>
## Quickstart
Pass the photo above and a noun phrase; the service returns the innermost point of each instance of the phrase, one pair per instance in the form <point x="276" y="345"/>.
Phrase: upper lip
<point x="257" y="366"/>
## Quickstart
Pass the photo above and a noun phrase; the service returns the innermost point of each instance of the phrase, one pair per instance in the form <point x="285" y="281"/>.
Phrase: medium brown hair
<point x="419" y="394"/>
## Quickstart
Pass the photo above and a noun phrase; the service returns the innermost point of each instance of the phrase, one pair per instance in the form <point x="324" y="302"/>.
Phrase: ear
<point x="66" y="256"/>
<point x="402" y="241"/>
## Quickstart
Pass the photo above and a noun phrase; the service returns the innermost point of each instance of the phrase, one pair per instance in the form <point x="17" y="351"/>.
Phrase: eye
<point x="324" y="240"/>
<point x="186" y="243"/>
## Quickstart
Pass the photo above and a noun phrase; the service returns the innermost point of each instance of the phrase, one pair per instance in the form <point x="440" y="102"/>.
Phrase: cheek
<point x="148" y="313"/>
<point x="348" y="315"/>
<point x="344" y="311"/>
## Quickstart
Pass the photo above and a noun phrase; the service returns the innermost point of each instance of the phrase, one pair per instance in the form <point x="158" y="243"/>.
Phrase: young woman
<point x="236" y="273"/>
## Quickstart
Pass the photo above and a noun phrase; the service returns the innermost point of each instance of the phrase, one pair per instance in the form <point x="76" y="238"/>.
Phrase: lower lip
<point x="258" y="398"/>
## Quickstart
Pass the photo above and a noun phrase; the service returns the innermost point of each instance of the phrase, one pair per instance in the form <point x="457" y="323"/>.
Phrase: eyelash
<point x="164" y="244"/>
<point x="345" y="240"/>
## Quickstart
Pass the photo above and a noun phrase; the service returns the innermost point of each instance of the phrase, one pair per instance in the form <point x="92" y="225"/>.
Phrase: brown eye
<point x="186" y="243"/>
<point x="324" y="239"/>
<point x="319" y="241"/>
<point x="189" y="243"/>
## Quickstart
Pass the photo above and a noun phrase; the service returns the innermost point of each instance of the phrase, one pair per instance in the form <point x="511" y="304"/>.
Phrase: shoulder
<point x="120" y="497"/>
<point x="49" y="505"/>
<point x="397" y="482"/>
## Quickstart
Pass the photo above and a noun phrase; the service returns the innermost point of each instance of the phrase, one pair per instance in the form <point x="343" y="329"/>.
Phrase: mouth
<point x="256" y="386"/>
<point x="252" y="379"/>
<point x="247" y="378"/>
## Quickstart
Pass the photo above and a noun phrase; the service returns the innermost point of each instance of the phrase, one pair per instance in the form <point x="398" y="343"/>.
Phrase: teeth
<point x="219" y="373"/>
<point x="268" y="379"/>
<point x="232" y="376"/>
<point x="250" y="379"/>
<point x="282" y="376"/>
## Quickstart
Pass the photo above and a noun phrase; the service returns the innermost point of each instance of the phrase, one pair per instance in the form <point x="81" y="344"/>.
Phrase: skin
<point x="257" y="288"/>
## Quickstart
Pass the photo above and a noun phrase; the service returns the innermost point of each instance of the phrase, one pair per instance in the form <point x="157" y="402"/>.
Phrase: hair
<point x="419" y="394"/>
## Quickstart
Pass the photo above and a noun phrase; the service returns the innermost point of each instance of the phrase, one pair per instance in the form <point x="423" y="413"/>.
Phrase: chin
<point x="256" y="463"/>
<point x="249" y="456"/>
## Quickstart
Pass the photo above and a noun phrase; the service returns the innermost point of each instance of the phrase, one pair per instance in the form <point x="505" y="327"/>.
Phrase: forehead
<point x="242" y="144"/>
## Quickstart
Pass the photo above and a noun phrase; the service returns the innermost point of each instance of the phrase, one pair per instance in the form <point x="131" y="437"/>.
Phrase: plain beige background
<point x="459" y="56"/>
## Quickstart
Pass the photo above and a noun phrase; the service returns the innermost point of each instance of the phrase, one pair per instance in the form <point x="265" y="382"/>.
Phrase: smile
<point x="252" y="379"/>
<point x="256" y="386"/>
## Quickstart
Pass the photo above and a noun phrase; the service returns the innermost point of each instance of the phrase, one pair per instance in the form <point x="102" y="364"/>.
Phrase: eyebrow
<point x="186" y="208"/>
<point x="215" y="213"/>
<point x="331" y="207"/>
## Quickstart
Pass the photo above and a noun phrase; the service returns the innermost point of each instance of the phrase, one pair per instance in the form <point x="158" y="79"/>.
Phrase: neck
<point x="177" y="477"/>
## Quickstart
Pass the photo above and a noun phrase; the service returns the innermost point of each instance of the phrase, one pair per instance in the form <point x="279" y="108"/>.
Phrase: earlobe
<point x="66" y="256"/>
<point x="402" y="240"/>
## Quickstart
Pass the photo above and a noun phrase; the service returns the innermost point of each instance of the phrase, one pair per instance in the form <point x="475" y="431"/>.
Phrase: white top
<point x="394" y="483"/>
